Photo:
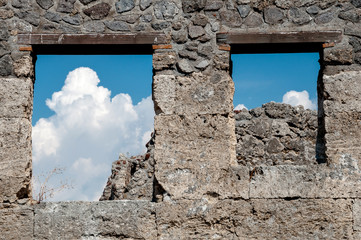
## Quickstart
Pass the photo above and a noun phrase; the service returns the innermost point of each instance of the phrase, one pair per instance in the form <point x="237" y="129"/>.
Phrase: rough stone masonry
<point x="207" y="181"/>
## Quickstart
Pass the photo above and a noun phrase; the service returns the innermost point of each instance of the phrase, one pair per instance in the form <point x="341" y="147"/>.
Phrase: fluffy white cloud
<point x="240" y="107"/>
<point x="87" y="132"/>
<point x="295" y="98"/>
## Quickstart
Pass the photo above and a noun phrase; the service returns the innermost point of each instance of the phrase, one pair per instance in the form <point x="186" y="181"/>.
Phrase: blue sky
<point x="261" y="78"/>
<point x="89" y="109"/>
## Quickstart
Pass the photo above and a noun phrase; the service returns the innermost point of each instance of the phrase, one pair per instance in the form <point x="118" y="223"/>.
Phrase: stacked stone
<point x="132" y="178"/>
<point x="276" y="134"/>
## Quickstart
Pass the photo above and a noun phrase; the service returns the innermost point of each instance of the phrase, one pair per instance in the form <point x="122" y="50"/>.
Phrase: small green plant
<point x="43" y="190"/>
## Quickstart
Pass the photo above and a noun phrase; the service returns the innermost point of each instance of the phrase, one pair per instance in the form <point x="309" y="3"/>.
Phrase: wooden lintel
<point x="105" y="39"/>
<point x="280" y="37"/>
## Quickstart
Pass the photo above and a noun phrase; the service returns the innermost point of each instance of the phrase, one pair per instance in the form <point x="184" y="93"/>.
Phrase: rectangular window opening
<point x="88" y="109"/>
<point x="278" y="120"/>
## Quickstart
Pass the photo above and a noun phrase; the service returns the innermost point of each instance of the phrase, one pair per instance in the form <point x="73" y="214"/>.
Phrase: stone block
<point x="344" y="87"/>
<point x="95" y="220"/>
<point x="194" y="94"/>
<point x="16" y="223"/>
<point x="255" y="219"/>
<point x="341" y="181"/>
<point x="164" y="60"/>
<point x="339" y="55"/>
<point x="24" y="67"/>
<point x="356" y="213"/>
<point x="16" y="97"/>
<point x="194" y="156"/>
<point x="15" y="159"/>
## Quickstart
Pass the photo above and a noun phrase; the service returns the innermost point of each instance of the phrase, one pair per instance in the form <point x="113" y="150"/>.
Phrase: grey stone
<point x="273" y="15"/>
<point x="117" y="25"/>
<point x="52" y="16"/>
<point x="98" y="11"/>
<point x="5" y="66"/>
<point x="213" y="5"/>
<point x="146" y="18"/>
<point x="202" y="64"/>
<point x="356" y="3"/>
<point x="325" y="18"/>
<point x="195" y="31"/>
<point x="3" y="2"/>
<point x="4" y="32"/>
<point x="144" y="4"/>
<point x="85" y="2"/>
<point x="177" y="25"/>
<point x="185" y="66"/>
<point x="21" y="3"/>
<point x="141" y="27"/>
<point x="287" y="4"/>
<point x="204" y="38"/>
<point x="200" y="20"/>
<point x="165" y="10"/>
<point x="46" y="4"/>
<point x="188" y="54"/>
<point x="73" y="20"/>
<point x="124" y="5"/>
<point x="299" y="16"/>
<point x="30" y="17"/>
<point x="352" y="16"/>
<point x="180" y="36"/>
<point x="230" y="18"/>
<point x="94" y="26"/>
<point x="128" y="17"/>
<point x="358" y="58"/>
<point x="160" y="25"/>
<point x="254" y="20"/>
<point x="353" y="30"/>
<point x="65" y="6"/>
<point x="244" y="10"/>
<point x="193" y="5"/>
<point x="118" y="219"/>
<point x="356" y="44"/>
<point x="4" y="49"/>
<point x="313" y="10"/>
<point x="205" y="50"/>
<point x="326" y="3"/>
<point x="215" y="26"/>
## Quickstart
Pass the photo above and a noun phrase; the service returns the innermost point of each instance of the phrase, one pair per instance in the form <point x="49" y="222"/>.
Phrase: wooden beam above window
<point x="100" y="39"/>
<point x="279" y="37"/>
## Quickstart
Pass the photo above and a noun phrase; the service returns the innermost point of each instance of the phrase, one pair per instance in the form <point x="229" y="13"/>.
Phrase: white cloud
<point x="240" y="107"/>
<point x="295" y="98"/>
<point x="87" y="133"/>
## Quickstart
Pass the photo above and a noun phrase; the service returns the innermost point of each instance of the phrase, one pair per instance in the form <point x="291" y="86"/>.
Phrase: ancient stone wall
<point x="205" y="192"/>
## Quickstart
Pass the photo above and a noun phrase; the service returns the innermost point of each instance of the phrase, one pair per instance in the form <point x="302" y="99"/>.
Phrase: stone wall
<point x="205" y="192"/>
<point x="276" y="134"/>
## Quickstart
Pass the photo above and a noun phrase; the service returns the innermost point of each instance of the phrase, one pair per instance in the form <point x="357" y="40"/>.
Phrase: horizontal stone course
<point x="90" y="220"/>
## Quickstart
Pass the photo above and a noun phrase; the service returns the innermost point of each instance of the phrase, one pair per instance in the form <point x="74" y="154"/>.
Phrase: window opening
<point x="267" y="131"/>
<point x="87" y="110"/>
